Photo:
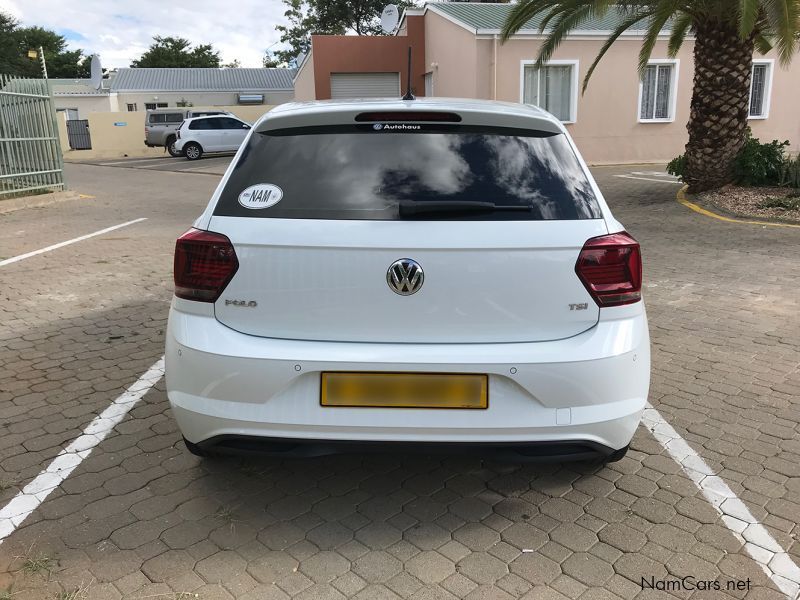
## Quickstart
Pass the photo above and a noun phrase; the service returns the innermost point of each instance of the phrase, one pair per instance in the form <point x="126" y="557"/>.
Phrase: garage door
<point x="365" y="85"/>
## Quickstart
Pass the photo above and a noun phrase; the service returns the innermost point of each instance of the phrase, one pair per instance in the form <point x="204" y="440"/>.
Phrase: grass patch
<point x="38" y="563"/>
<point x="790" y="202"/>
<point x="225" y="512"/>
<point x="6" y="484"/>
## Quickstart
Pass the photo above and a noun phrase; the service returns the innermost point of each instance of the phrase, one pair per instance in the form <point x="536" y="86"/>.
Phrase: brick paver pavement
<point x="141" y="518"/>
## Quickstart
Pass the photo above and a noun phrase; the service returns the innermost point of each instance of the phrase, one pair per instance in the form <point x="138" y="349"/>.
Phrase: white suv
<point x="197" y="136"/>
<point x="442" y="273"/>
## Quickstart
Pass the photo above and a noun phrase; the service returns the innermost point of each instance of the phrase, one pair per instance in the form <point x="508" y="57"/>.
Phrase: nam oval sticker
<point x="261" y="195"/>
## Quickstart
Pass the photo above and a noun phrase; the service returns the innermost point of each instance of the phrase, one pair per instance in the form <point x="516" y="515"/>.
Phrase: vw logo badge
<point x="377" y="126"/>
<point x="405" y="277"/>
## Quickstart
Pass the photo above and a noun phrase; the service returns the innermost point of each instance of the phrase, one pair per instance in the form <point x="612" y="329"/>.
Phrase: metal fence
<point x="30" y="153"/>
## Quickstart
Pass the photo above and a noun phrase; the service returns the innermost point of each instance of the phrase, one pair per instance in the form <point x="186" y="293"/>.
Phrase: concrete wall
<point x="371" y="54"/>
<point x="304" y="81"/>
<point x="195" y="98"/>
<point x="115" y="141"/>
<point x="450" y="53"/>
<point x="63" y="140"/>
<point x="783" y="122"/>
<point x="607" y="128"/>
<point x="85" y="104"/>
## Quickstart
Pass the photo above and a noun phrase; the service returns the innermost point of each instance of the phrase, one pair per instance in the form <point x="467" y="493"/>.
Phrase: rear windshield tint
<point x="366" y="171"/>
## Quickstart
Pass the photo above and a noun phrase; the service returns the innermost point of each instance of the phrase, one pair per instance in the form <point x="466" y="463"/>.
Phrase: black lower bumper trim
<point x="556" y="451"/>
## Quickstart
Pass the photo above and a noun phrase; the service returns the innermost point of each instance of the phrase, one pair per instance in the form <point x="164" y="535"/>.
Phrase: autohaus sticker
<point x="261" y="195"/>
<point x="396" y="127"/>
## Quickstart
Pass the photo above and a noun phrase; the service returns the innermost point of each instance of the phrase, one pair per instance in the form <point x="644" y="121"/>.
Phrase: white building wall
<point x="195" y="98"/>
<point x="85" y="104"/>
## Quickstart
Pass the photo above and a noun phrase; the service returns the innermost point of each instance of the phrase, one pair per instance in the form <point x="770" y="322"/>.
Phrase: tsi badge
<point x="581" y="306"/>
<point x="242" y="303"/>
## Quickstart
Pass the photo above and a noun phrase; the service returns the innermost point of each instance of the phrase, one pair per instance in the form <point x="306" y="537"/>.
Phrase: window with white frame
<point x="657" y="91"/>
<point x="552" y="87"/>
<point x="760" y="87"/>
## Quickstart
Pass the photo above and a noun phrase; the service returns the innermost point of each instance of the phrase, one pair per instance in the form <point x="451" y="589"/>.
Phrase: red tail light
<point x="610" y="266"/>
<point x="406" y="116"/>
<point x="204" y="264"/>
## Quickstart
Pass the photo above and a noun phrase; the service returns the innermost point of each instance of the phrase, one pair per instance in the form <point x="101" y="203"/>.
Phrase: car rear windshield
<point x="367" y="171"/>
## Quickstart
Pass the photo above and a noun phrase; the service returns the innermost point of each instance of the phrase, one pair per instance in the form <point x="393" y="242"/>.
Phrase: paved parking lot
<point x="214" y="164"/>
<point x="141" y="518"/>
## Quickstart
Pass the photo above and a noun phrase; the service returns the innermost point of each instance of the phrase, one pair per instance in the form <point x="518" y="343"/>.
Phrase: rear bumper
<point x="509" y="452"/>
<point x="586" y="390"/>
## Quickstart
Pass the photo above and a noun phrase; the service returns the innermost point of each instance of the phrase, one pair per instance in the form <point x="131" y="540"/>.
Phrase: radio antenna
<point x="409" y="95"/>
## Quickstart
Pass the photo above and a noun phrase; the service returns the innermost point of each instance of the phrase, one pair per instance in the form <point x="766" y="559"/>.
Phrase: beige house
<point x="129" y="90"/>
<point x="621" y="118"/>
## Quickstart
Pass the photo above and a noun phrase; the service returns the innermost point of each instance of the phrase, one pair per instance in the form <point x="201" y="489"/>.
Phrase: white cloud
<point x="119" y="31"/>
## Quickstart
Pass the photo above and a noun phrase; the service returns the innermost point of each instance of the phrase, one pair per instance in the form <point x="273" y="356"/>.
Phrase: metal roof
<point x="484" y="16"/>
<point x="78" y="87"/>
<point x="202" y="80"/>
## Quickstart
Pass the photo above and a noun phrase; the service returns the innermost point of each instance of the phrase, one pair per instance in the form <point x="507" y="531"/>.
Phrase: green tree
<point x="60" y="61"/>
<point x="15" y="41"/>
<point x="10" y="56"/>
<point x="726" y="34"/>
<point x="176" y="52"/>
<point x="331" y="17"/>
<point x="270" y="60"/>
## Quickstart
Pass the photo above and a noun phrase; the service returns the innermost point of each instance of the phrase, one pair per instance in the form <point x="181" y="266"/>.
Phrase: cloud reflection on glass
<point x="365" y="175"/>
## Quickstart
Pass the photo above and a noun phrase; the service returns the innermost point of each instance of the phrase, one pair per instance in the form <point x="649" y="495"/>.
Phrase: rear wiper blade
<point x="410" y="207"/>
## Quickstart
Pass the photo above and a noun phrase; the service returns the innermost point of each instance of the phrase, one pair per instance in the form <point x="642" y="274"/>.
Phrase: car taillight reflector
<point x="204" y="264"/>
<point x="610" y="267"/>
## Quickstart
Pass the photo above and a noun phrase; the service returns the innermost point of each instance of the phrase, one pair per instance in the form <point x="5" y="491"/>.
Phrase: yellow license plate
<point x="405" y="390"/>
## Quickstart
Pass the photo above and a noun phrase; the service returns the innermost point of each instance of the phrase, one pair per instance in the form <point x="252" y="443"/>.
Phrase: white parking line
<point x="758" y="542"/>
<point x="664" y="180"/>
<point x="32" y="495"/>
<point x="14" y="259"/>
<point x="203" y="168"/>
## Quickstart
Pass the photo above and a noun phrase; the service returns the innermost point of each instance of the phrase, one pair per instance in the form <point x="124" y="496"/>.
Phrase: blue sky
<point x="119" y="31"/>
<point x="71" y="35"/>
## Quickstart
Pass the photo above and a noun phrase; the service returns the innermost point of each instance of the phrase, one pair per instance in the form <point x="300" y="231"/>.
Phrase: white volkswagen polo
<point x="437" y="273"/>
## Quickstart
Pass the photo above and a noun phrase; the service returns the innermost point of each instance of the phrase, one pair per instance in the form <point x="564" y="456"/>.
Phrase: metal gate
<point x="78" y="134"/>
<point x="30" y="154"/>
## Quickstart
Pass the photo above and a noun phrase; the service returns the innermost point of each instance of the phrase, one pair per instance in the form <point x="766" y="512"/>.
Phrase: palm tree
<point x="726" y="33"/>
